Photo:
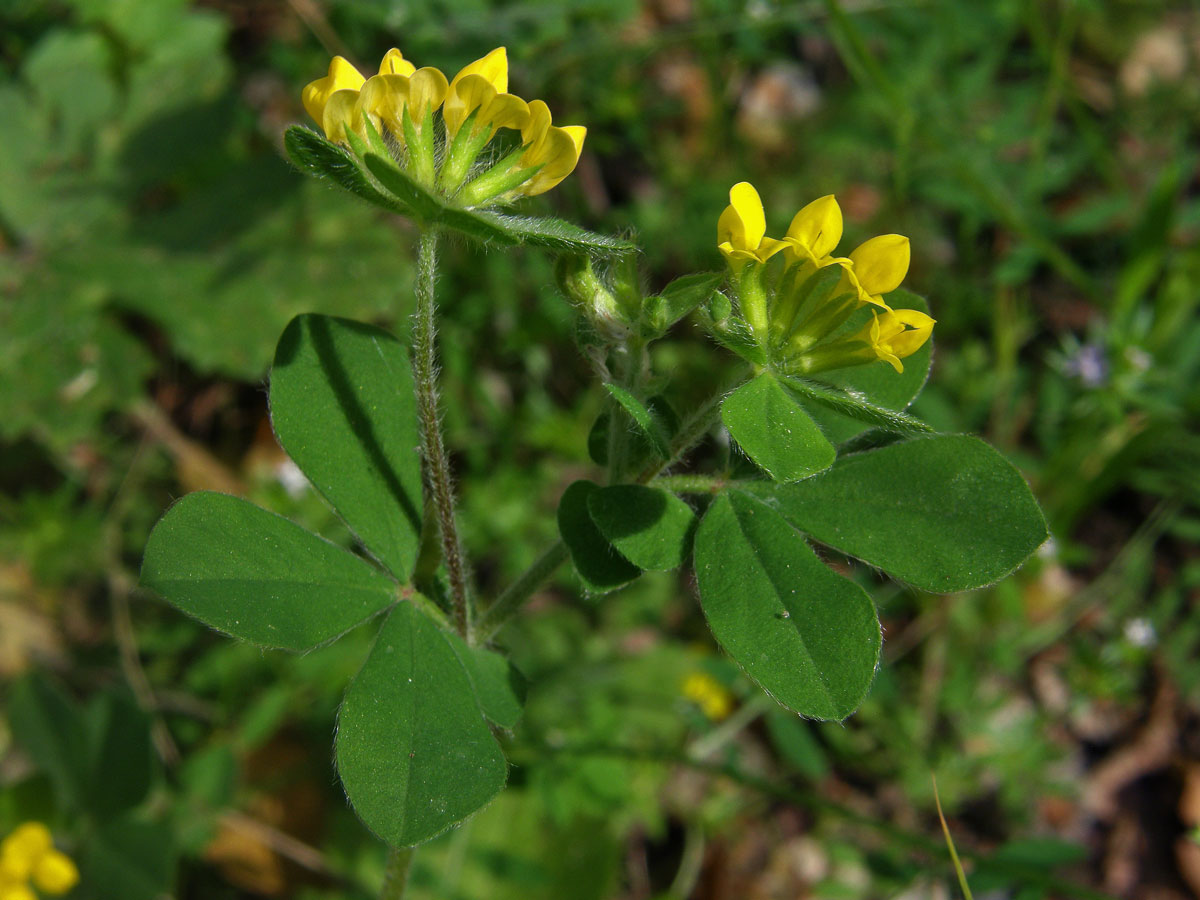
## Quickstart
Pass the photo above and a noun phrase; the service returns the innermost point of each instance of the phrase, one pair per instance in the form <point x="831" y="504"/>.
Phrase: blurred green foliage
<point x="153" y="244"/>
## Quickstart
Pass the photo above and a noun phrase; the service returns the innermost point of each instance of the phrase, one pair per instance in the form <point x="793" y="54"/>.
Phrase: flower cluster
<point x="396" y="107"/>
<point x="796" y="320"/>
<point x="28" y="854"/>
<point x="710" y="695"/>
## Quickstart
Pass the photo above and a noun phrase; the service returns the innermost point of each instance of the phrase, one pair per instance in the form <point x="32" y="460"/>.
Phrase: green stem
<point x="691" y="432"/>
<point x="515" y="595"/>
<point x="433" y="446"/>
<point x="630" y="362"/>
<point x="395" y="880"/>
<point x="690" y="484"/>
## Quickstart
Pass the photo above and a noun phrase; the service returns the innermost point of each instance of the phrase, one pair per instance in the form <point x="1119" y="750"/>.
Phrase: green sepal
<point x="424" y="204"/>
<point x="731" y="331"/>
<point x="791" y="308"/>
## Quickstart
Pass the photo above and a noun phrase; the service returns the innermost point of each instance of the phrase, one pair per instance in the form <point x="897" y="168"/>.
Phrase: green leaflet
<point x="775" y="431"/>
<point x="677" y="299"/>
<point x="600" y="567"/>
<point x="809" y="637"/>
<point x="413" y="750"/>
<point x="944" y="513"/>
<point x="650" y="427"/>
<point x="257" y="576"/>
<point x="498" y="687"/>
<point x="344" y="408"/>
<point x="650" y="527"/>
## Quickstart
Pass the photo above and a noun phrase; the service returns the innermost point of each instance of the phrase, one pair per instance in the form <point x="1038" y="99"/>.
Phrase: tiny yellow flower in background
<point x="55" y="873"/>
<point x="815" y="232"/>
<point x="897" y="333"/>
<point x="880" y="264"/>
<point x="28" y="852"/>
<point x="742" y="228"/>
<point x="709" y="694"/>
<point x="20" y="851"/>
<point x="16" y="891"/>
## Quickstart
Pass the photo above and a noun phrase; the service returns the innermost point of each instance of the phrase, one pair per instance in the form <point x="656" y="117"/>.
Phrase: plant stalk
<point x="515" y="595"/>
<point x="395" y="879"/>
<point x="433" y="446"/>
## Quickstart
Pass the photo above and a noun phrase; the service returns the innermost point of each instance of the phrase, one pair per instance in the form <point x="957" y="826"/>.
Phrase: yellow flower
<point x="331" y="100"/>
<point x="384" y="98"/>
<point x="553" y="148"/>
<point x="482" y="88"/>
<point x="815" y="232"/>
<point x="879" y="265"/>
<point x="897" y="333"/>
<point x="55" y="873"/>
<point x="29" y="852"/>
<point x="20" y="851"/>
<point x="742" y="228"/>
<point x="16" y="891"/>
<point x="709" y="694"/>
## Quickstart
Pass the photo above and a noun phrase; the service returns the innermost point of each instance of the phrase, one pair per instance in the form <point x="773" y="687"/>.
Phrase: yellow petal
<point x="17" y="891"/>
<point x="493" y="68"/>
<point x="426" y="91"/>
<point x="743" y="223"/>
<point x="881" y="263"/>
<point x="341" y="111"/>
<point x="55" y="873"/>
<point x="558" y="154"/>
<point x="342" y="76"/>
<point x="394" y="63"/>
<point x="577" y="133"/>
<point x="383" y="99"/>
<point x="913" y="337"/>
<point x="818" y="227"/>
<point x="29" y="840"/>
<point x="506" y="111"/>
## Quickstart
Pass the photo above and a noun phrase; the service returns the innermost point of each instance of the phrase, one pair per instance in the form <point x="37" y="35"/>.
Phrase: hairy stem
<point x="395" y="880"/>
<point x="433" y="446"/>
<point x="515" y="595"/>
<point x="691" y="484"/>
